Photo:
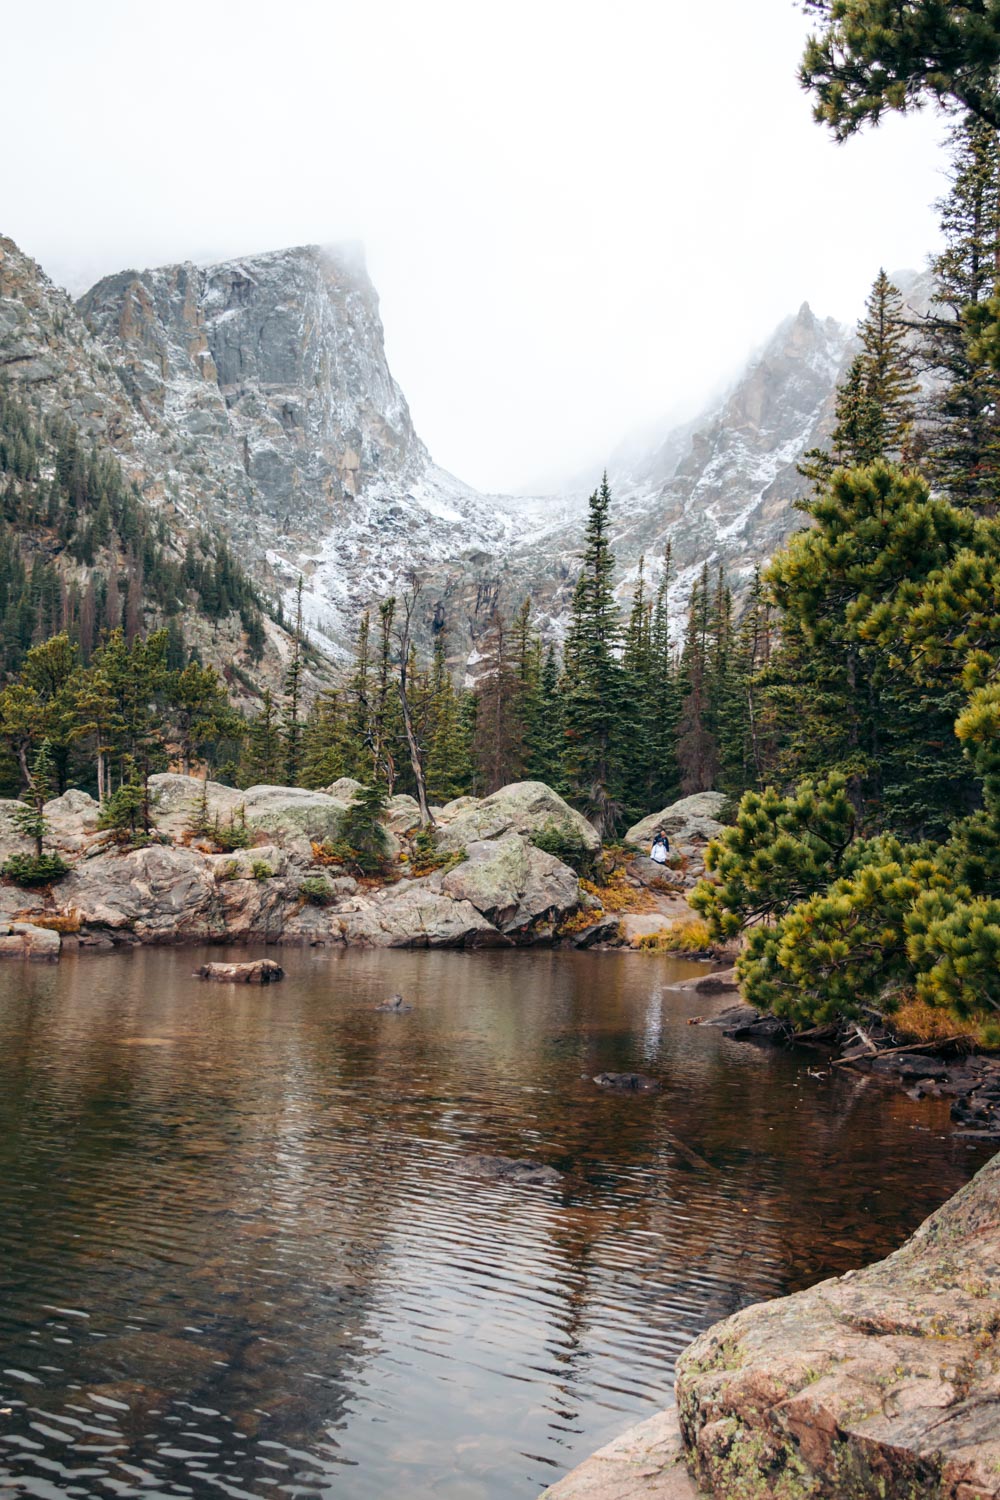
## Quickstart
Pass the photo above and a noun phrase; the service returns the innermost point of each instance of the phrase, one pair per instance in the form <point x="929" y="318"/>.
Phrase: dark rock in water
<point x="910" y="1065"/>
<point x="626" y="1083"/>
<point x="394" y="1006"/>
<point x="509" y="1169"/>
<point x="604" y="931"/>
<point x="744" y="1023"/>
<point x="261" y="971"/>
<point x="717" y="983"/>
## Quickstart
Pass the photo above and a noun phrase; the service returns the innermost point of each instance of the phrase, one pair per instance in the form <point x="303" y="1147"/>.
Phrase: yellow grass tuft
<point x="690" y="936"/>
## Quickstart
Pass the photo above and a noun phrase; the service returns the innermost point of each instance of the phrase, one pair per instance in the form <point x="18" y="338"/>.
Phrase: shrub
<point x="566" y="845"/>
<point x="362" y="831"/>
<point x="427" y="857"/>
<point x="229" y="871"/>
<point x="234" y="834"/>
<point x="317" y="890"/>
<point x="35" y="869"/>
<point x="617" y="894"/>
<point x="691" y="936"/>
<point x="261" y="870"/>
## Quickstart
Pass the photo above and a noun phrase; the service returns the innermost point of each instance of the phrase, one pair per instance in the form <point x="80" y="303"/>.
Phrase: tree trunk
<point x="416" y="758"/>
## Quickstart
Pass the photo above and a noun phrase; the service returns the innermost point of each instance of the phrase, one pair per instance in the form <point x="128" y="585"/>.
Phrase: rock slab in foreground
<point x="883" y="1383"/>
<point x="645" y="1463"/>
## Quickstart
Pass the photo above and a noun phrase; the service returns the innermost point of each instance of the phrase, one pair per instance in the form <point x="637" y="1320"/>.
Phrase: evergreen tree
<point x="498" y="743"/>
<point x="263" y="755"/>
<point x="291" y="727"/>
<point x="323" y="753"/>
<point x="876" y="55"/>
<point x="854" y="705"/>
<point x="875" y="402"/>
<point x="449" y="753"/>
<point x="593" y="689"/>
<point x="30" y="819"/>
<point x="697" y="747"/>
<point x="962" y="412"/>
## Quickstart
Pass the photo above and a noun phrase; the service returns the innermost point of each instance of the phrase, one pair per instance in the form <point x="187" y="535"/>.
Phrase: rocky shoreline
<point x="882" y="1384"/>
<point x="490" y="881"/>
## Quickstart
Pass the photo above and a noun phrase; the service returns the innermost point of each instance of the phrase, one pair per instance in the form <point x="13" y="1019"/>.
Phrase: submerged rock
<point x="627" y="1083"/>
<point x="394" y="1006"/>
<point x="260" y="971"/>
<point x="882" y="1382"/>
<point x="512" y="1169"/>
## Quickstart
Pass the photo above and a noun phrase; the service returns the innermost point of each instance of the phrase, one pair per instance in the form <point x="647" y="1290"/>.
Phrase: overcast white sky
<point x="579" y="215"/>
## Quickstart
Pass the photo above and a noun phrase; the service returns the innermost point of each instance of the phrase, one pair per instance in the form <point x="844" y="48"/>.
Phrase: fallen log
<point x="260" y="971"/>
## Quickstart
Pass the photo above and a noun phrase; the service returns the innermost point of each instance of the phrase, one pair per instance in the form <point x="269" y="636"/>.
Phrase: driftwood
<point x="689" y="1154"/>
<point x="260" y="971"/>
<point x="948" y="1041"/>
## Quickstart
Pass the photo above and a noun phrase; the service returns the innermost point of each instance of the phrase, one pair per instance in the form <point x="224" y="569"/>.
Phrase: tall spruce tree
<point x="498" y="743"/>
<point x="961" y="416"/>
<point x="263" y="757"/>
<point x="875" y="401"/>
<point x="292" y="717"/>
<point x="593" y="691"/>
<point x="697" y="746"/>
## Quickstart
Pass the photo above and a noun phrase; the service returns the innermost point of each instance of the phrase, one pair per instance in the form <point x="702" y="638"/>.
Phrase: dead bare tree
<point x="404" y="637"/>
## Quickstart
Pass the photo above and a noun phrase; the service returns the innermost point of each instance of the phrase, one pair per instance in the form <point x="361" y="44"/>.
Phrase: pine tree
<point x="745" y="728"/>
<point x="846" y="699"/>
<point x="291" y="719"/>
<point x="593" y="688"/>
<point x="697" y="748"/>
<point x="449" y="753"/>
<point x="498" y="744"/>
<point x="666" y="699"/>
<point x="323" y="754"/>
<point x="878" y="55"/>
<point x="875" y="402"/>
<point x="962" y="413"/>
<point x="263" y="756"/>
<point x="30" y="819"/>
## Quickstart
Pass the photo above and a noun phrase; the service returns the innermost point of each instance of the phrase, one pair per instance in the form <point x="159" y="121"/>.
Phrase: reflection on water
<point x="242" y="1251"/>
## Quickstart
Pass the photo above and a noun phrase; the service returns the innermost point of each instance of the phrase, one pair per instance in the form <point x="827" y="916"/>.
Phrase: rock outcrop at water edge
<point x="882" y="1384"/>
<point x="287" y="884"/>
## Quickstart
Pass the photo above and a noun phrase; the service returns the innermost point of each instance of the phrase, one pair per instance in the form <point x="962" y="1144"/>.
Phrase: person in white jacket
<point x="660" y="851"/>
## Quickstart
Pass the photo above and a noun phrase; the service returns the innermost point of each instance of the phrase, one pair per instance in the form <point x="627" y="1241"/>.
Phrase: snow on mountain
<point x="254" y="397"/>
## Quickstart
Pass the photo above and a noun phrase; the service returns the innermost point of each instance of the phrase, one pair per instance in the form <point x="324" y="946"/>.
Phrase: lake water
<point x="242" y="1250"/>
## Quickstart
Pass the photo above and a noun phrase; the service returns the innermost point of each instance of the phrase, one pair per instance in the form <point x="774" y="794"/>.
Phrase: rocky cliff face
<point x="254" y="397"/>
<point x="719" y="490"/>
<point x="269" y="377"/>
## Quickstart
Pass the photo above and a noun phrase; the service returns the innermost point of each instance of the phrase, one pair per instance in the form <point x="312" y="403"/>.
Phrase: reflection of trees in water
<point x="261" y="1196"/>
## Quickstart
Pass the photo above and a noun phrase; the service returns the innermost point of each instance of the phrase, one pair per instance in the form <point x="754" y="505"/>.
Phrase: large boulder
<point x="25" y="940"/>
<point x="177" y="801"/>
<point x="413" y="915"/>
<point x="295" y="818"/>
<point x="512" y="883"/>
<point x="159" y="894"/>
<point x="692" y="820"/>
<point x="345" y="789"/>
<point x="72" y="815"/>
<point x="12" y="841"/>
<point x="402" y="813"/>
<point x="524" y="807"/>
<point x="288" y="812"/>
<point x="882" y="1382"/>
